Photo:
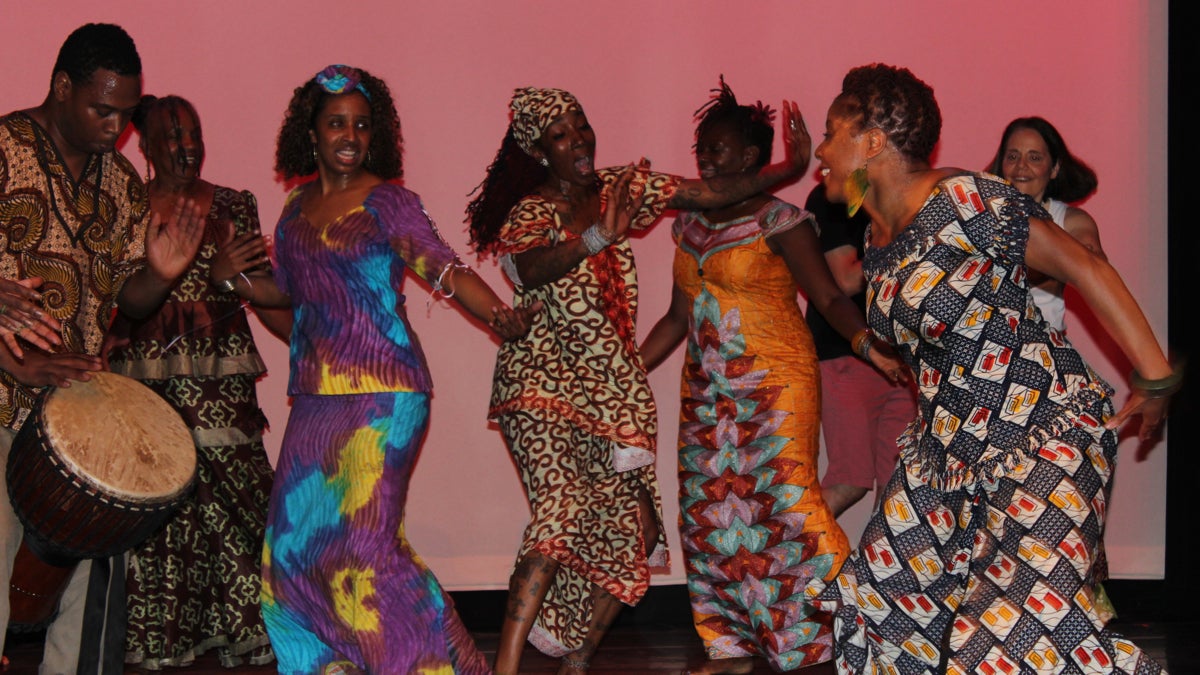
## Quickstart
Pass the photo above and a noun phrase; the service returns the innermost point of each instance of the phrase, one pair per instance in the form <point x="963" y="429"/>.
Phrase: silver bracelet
<point x="594" y="240"/>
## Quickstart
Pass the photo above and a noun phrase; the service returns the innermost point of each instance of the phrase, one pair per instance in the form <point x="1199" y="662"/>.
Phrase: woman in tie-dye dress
<point x="756" y="532"/>
<point x="343" y="592"/>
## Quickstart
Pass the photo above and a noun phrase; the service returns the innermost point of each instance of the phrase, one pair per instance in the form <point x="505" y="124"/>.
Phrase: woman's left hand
<point x="1152" y="410"/>
<point x="797" y="144"/>
<point x="510" y="323"/>
<point x="888" y="362"/>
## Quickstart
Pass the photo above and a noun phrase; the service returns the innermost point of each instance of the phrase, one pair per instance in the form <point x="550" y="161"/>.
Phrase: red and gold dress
<point x="757" y="536"/>
<point x="574" y="405"/>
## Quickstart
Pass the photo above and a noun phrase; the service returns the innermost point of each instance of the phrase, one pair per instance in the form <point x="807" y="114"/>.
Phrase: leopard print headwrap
<point x="534" y="109"/>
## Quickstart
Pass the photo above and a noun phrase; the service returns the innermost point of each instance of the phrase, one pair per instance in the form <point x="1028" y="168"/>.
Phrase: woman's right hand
<point x="623" y="197"/>
<point x="21" y="315"/>
<point x="797" y="144"/>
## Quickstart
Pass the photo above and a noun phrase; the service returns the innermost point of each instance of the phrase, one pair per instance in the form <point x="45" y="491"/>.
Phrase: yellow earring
<point x="856" y="189"/>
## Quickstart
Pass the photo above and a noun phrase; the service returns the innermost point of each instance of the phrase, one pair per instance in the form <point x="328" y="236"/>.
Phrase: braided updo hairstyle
<point x="897" y="102"/>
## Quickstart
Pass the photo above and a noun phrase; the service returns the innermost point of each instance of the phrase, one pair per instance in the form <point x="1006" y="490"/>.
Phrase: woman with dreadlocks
<point x="755" y="530"/>
<point x="571" y="397"/>
<point x="194" y="585"/>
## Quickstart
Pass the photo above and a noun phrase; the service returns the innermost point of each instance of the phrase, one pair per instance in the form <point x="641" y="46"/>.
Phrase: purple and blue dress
<point x="343" y="591"/>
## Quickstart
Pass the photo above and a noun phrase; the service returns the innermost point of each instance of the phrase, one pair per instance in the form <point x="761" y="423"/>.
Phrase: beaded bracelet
<point x="1160" y="388"/>
<point x="594" y="240"/>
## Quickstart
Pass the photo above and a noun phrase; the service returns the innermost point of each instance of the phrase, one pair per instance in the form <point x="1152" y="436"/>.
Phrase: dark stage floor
<point x="657" y="638"/>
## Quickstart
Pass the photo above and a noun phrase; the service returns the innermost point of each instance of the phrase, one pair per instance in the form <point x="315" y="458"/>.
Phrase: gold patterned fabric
<point x="194" y="585"/>
<point x="83" y="237"/>
<point x="579" y="417"/>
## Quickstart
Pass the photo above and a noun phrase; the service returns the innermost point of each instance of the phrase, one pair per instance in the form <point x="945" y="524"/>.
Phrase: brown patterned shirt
<point x="83" y="237"/>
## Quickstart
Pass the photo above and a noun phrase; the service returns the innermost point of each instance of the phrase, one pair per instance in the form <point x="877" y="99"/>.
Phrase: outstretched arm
<point x="475" y="296"/>
<point x="711" y="193"/>
<point x="1060" y="255"/>
<point x="801" y="250"/>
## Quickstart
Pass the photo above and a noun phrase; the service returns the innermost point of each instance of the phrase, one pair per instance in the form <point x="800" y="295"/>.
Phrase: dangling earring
<point x="368" y="155"/>
<point x="856" y="190"/>
<point x="544" y="162"/>
<point x="147" y="172"/>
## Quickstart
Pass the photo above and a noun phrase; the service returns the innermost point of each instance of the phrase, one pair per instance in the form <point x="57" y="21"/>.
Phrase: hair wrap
<point x="534" y="109"/>
<point x="340" y="79"/>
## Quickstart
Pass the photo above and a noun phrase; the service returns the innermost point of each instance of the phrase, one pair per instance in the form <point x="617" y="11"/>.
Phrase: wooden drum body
<point x="94" y="471"/>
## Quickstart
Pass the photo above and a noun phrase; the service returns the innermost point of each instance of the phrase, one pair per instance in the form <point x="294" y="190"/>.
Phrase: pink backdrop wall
<point x="1097" y="70"/>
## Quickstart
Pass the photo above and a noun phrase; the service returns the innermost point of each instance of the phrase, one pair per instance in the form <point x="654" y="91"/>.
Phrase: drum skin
<point x="98" y="467"/>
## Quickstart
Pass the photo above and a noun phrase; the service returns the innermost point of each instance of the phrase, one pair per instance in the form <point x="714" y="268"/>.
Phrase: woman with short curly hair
<point x="979" y="555"/>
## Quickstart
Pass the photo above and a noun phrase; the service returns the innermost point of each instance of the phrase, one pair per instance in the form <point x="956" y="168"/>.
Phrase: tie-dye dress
<point x="343" y="592"/>
<point x="756" y="533"/>
<point x="979" y="557"/>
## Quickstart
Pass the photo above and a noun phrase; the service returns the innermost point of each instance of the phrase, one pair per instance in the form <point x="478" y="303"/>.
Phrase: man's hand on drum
<point x="22" y="315"/>
<point x="39" y="369"/>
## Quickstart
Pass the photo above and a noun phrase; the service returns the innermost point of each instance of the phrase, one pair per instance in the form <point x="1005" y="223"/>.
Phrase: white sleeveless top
<point x="1052" y="306"/>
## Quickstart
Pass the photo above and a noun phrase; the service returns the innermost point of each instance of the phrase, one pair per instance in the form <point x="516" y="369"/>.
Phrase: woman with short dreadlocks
<point x="756" y="533"/>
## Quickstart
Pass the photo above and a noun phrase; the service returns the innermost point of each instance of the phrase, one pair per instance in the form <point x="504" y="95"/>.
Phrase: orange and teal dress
<point x="757" y="535"/>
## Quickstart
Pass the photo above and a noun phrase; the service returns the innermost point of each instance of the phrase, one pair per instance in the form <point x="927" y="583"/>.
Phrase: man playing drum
<point x="76" y="239"/>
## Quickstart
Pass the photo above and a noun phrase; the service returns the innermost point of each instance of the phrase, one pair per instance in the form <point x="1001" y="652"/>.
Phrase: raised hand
<point x="623" y="197"/>
<point x="797" y="144"/>
<point x="171" y="246"/>
<point x="21" y="315"/>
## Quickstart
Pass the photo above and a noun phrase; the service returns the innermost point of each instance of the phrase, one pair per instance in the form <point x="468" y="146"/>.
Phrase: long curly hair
<point x="294" y="147"/>
<point x="1075" y="180"/>
<point x="754" y="124"/>
<point x="896" y="101"/>
<point x="512" y="175"/>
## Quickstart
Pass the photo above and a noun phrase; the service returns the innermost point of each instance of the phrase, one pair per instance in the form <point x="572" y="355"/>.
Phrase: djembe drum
<point x="97" y="467"/>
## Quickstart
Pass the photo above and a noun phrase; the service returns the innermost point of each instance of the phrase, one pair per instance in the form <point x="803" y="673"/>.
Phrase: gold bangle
<point x="861" y="343"/>
<point x="1159" y="388"/>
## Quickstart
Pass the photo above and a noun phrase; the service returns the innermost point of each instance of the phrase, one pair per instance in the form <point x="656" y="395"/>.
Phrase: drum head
<point x="119" y="435"/>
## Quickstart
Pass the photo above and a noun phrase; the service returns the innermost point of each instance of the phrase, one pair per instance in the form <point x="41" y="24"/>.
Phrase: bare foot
<point x="739" y="666"/>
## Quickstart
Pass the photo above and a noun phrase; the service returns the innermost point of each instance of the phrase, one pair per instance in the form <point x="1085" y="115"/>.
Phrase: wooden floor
<point x="638" y="649"/>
